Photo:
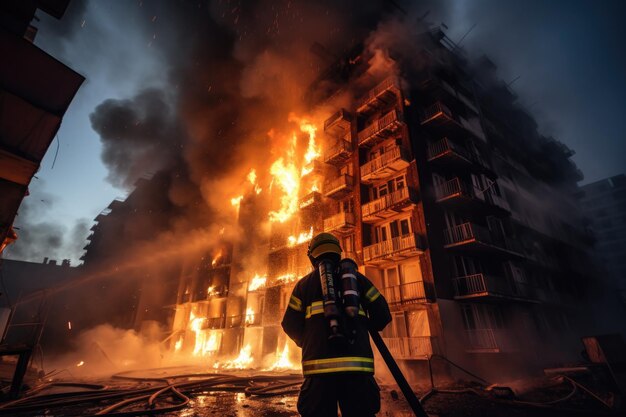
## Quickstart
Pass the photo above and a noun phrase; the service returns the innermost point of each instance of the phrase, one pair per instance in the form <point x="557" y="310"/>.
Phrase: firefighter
<point x="338" y="365"/>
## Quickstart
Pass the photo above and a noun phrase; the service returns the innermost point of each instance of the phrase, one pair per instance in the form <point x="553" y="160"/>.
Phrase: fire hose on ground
<point x="175" y="390"/>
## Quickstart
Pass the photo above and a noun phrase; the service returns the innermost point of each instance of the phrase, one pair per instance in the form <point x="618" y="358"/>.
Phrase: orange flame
<point x="301" y="238"/>
<point x="257" y="282"/>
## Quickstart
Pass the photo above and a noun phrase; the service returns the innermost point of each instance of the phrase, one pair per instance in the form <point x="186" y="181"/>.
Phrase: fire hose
<point x="403" y="384"/>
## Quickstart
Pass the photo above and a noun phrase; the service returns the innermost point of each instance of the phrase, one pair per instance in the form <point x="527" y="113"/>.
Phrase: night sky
<point x="565" y="59"/>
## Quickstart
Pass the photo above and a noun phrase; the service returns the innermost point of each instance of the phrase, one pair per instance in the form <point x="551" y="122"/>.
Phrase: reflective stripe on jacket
<point x="339" y="364"/>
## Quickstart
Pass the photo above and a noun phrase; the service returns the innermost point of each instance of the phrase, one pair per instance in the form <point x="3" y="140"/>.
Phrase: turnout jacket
<point x="305" y="324"/>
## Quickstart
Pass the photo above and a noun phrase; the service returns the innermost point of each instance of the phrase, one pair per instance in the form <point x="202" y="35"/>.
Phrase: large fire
<point x="289" y="180"/>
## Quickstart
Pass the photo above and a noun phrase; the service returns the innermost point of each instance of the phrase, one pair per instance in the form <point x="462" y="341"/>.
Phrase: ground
<point x="244" y="394"/>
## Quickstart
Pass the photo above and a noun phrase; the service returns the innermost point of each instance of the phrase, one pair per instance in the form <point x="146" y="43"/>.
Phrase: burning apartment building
<point x="439" y="184"/>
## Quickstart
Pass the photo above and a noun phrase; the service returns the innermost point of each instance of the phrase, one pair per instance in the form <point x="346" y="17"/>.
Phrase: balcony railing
<point x="381" y="94"/>
<point x="338" y="153"/>
<point x="420" y="347"/>
<point x="466" y="232"/>
<point x="393" y="249"/>
<point x="380" y="129"/>
<point x="411" y="291"/>
<point x="481" y="284"/>
<point x="386" y="206"/>
<point x="338" y="124"/>
<point x="310" y="200"/>
<point x="490" y="340"/>
<point x="339" y="187"/>
<point x="435" y="111"/>
<point x="445" y="146"/>
<point x="391" y="161"/>
<point x="452" y="188"/>
<point x="342" y="221"/>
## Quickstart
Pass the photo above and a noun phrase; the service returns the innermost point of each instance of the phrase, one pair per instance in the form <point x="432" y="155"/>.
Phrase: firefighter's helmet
<point x="323" y="243"/>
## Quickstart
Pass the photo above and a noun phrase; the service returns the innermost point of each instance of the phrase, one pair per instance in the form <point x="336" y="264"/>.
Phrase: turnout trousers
<point x="357" y="395"/>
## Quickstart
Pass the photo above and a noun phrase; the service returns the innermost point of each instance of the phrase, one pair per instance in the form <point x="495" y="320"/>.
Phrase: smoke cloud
<point x="38" y="239"/>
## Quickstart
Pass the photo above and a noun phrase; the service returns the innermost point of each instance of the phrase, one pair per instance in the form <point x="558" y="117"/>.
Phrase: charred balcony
<point x="339" y="153"/>
<point x="342" y="222"/>
<point x="439" y="116"/>
<point x="420" y="347"/>
<point x="388" y="205"/>
<point x="339" y="187"/>
<point x="407" y="293"/>
<point x="459" y="194"/>
<point x="379" y="97"/>
<point x="392" y="250"/>
<point x="380" y="129"/>
<point x="446" y="153"/>
<point x="488" y="288"/>
<point x="338" y="125"/>
<point x="490" y="341"/>
<point x="393" y="160"/>
<point x="472" y="237"/>
<point x="311" y="201"/>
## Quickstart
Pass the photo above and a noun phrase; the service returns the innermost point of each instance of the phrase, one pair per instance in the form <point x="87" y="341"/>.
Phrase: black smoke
<point x="39" y="239"/>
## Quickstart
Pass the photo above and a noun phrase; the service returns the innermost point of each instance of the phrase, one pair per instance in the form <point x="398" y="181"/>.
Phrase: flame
<point x="315" y="188"/>
<point x="286" y="278"/>
<point x="252" y="176"/>
<point x="244" y="360"/>
<point x="179" y="344"/>
<point x="236" y="202"/>
<point x="81" y="363"/>
<point x="301" y="238"/>
<point x="69" y="325"/>
<point x="282" y="360"/>
<point x="286" y="177"/>
<point x="211" y="291"/>
<point x="216" y="258"/>
<point x="249" y="315"/>
<point x="257" y="282"/>
<point x="313" y="151"/>
<point x="286" y="173"/>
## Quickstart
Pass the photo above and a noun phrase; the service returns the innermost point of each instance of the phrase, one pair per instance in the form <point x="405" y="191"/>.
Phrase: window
<point x="346" y="206"/>
<point x="393" y="229"/>
<point x="388" y="187"/>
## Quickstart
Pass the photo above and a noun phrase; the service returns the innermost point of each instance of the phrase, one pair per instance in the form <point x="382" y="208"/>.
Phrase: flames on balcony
<point x="290" y="185"/>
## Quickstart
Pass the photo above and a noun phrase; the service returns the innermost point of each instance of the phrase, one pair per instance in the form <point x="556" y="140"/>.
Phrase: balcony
<point x="339" y="153"/>
<point x="411" y="292"/>
<point x="454" y="189"/>
<point x="388" y="205"/>
<point x="474" y="238"/>
<point x="339" y="187"/>
<point x="380" y="96"/>
<point x="338" y="124"/>
<point x="310" y="201"/>
<point x="392" y="250"/>
<point x="487" y="287"/>
<point x="490" y="341"/>
<point x="439" y="116"/>
<point x="385" y="165"/>
<point x="421" y="347"/>
<point x="381" y="129"/>
<point x="460" y="195"/>
<point x="342" y="222"/>
<point x="447" y="153"/>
